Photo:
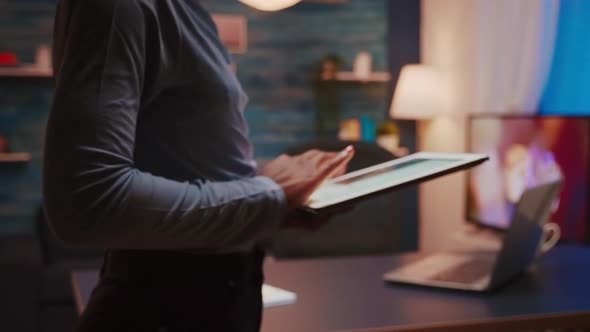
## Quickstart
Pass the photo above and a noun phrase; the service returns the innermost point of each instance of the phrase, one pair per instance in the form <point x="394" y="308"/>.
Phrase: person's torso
<point x="191" y="123"/>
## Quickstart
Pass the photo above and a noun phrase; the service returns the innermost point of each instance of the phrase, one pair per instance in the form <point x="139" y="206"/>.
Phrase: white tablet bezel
<point x="463" y="160"/>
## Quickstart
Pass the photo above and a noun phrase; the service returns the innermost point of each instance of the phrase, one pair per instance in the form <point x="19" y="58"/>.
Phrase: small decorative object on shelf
<point x="43" y="58"/>
<point x="11" y="157"/>
<point x="350" y="130"/>
<point x="363" y="65"/>
<point x="329" y="67"/>
<point x="8" y="59"/>
<point x="367" y="128"/>
<point x="388" y="137"/>
<point x="357" y="129"/>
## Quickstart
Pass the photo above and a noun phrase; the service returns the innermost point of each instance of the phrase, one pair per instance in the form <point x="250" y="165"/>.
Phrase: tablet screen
<point x="396" y="173"/>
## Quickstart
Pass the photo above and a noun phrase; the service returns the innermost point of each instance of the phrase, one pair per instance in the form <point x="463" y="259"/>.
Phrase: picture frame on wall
<point x="233" y="32"/>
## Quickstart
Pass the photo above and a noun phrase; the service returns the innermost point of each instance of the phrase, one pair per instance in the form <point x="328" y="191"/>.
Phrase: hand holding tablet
<point x="300" y="175"/>
<point x="415" y="168"/>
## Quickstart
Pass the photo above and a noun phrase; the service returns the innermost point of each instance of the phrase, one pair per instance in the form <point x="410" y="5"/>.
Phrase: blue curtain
<point x="568" y="88"/>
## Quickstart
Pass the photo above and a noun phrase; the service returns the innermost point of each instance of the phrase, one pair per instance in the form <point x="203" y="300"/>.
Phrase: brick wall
<point x="284" y="48"/>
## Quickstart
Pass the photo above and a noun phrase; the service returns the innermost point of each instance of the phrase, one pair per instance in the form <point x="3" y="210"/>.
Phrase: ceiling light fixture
<point x="270" y="5"/>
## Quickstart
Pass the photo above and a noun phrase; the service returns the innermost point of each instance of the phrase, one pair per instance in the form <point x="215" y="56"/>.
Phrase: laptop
<point x="486" y="271"/>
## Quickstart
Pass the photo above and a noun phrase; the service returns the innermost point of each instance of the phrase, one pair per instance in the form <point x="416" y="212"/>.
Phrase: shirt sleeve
<point x="93" y="193"/>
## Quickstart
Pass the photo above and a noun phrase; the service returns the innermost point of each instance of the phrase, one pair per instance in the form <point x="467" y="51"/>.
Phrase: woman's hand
<point x="299" y="176"/>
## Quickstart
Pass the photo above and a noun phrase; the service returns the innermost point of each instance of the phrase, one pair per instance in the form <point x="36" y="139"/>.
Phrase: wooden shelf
<point x="14" y="158"/>
<point x="25" y="71"/>
<point x="374" y="77"/>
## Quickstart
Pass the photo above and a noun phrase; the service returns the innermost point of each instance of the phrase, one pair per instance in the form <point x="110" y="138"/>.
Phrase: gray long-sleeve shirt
<point x="146" y="144"/>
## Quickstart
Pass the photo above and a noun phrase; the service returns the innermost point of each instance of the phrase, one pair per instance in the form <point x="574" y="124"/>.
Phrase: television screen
<point x="525" y="151"/>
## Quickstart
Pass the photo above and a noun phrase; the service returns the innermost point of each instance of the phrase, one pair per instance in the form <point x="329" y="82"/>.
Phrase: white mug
<point x="551" y="235"/>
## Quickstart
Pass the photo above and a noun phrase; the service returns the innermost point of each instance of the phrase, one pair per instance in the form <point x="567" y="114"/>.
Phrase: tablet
<point x="393" y="174"/>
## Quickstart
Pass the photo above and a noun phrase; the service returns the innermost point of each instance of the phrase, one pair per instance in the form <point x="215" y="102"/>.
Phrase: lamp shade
<point x="419" y="94"/>
<point x="270" y="5"/>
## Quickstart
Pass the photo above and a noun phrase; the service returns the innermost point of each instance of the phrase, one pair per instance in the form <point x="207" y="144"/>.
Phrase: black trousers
<point x="168" y="291"/>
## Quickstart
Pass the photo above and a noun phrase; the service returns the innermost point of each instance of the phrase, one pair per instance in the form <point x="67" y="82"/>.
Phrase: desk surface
<point x="349" y="294"/>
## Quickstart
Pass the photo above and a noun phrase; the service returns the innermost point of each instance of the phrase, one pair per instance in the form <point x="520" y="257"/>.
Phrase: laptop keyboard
<point x="467" y="272"/>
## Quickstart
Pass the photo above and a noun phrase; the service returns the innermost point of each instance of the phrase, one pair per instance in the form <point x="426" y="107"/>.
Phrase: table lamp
<point x="270" y="5"/>
<point x="419" y="94"/>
